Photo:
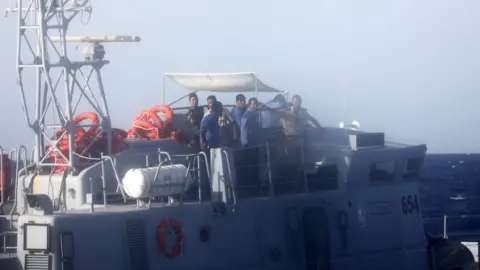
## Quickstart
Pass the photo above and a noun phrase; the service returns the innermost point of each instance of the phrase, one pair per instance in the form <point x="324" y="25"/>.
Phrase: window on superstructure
<point x="412" y="167"/>
<point x="382" y="171"/>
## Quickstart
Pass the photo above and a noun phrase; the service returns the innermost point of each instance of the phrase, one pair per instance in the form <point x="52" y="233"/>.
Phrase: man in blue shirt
<point x="209" y="128"/>
<point x="239" y="109"/>
<point x="250" y="126"/>
<point x="249" y="156"/>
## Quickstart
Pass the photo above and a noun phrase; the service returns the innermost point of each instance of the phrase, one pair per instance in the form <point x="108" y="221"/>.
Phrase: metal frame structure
<point x="45" y="54"/>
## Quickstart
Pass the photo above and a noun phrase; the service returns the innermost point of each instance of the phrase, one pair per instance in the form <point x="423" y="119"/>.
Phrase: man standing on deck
<point x="194" y="117"/>
<point x="249" y="136"/>
<point x="249" y="125"/>
<point x="239" y="109"/>
<point x="295" y="119"/>
<point x="210" y="102"/>
<point x="228" y="129"/>
<point x="209" y="129"/>
<point x="237" y="113"/>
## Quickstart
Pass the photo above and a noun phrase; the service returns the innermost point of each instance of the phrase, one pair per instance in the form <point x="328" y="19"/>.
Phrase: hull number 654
<point x="410" y="204"/>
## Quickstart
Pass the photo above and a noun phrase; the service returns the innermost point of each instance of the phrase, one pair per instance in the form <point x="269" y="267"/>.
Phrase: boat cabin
<point x="328" y="160"/>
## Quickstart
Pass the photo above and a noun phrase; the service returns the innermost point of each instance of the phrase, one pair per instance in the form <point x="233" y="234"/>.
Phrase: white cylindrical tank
<point x="171" y="180"/>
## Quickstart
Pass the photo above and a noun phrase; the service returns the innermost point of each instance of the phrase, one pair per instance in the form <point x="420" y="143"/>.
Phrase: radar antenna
<point x="56" y="103"/>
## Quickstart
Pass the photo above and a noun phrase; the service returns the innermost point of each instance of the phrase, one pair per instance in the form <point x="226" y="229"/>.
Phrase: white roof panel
<point x="221" y="82"/>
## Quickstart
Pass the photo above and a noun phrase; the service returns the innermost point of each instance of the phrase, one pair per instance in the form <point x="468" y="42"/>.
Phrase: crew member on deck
<point x="194" y="117"/>
<point x="250" y="153"/>
<point x="294" y="120"/>
<point x="228" y="130"/>
<point x="250" y="126"/>
<point x="209" y="129"/>
<point x="210" y="102"/>
<point x="239" y="109"/>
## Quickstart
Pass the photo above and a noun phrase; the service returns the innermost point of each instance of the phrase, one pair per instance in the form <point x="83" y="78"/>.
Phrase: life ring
<point x="143" y="115"/>
<point x="148" y="128"/>
<point x="119" y="132"/>
<point x="169" y="226"/>
<point x="59" y="159"/>
<point x="118" y="136"/>
<point x="118" y="145"/>
<point x="79" y="132"/>
<point x="165" y="109"/>
<point x="61" y="148"/>
<point x="93" y="130"/>
<point x="135" y="133"/>
<point x="151" y="116"/>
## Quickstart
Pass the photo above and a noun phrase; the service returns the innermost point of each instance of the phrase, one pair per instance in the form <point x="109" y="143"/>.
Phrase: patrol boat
<point x="93" y="199"/>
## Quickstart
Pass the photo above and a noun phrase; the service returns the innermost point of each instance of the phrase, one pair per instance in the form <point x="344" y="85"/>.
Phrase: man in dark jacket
<point x="194" y="117"/>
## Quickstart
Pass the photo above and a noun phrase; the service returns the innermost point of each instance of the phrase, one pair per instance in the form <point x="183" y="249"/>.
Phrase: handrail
<point x="104" y="182"/>
<point x="231" y="186"/>
<point x="24" y="171"/>
<point x="15" y="180"/>
<point x="117" y="176"/>
<point x="269" y="166"/>
<point x="207" y="163"/>
<point x="302" y="162"/>
<point x="34" y="151"/>
<point x="155" y="181"/>
<point x="4" y="236"/>
<point x="17" y="174"/>
<point x="160" y="164"/>
<point x="3" y="182"/>
<point x="160" y="153"/>
<point x="13" y="152"/>
<point x="119" y="183"/>
<point x="13" y="156"/>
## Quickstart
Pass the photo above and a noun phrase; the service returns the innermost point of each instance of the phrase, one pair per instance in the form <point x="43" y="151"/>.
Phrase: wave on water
<point x="450" y="186"/>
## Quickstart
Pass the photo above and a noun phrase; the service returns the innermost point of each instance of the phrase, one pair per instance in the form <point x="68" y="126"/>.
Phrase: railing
<point x="113" y="162"/>
<point x="6" y="238"/>
<point x="17" y="178"/>
<point x="3" y="182"/>
<point x="195" y="168"/>
<point x="231" y="188"/>
<point x="11" y="181"/>
<point x="269" y="163"/>
<point x="20" y="155"/>
<point x="447" y="232"/>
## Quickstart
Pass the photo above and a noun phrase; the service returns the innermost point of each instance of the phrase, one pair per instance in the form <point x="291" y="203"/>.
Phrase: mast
<point x="61" y="86"/>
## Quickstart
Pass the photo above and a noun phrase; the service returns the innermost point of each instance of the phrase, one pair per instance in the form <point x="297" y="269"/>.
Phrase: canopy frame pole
<point x="163" y="89"/>
<point x="256" y="85"/>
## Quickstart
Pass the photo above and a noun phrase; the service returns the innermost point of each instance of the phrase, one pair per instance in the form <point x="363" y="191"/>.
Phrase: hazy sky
<point x="406" y="67"/>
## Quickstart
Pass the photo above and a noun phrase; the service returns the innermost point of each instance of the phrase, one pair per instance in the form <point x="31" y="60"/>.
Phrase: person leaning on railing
<point x="293" y="120"/>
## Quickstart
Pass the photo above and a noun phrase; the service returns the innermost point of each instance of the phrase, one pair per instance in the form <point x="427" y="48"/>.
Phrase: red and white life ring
<point x="166" y="227"/>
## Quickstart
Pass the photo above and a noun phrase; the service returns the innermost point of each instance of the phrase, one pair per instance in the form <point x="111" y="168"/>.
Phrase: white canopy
<point x="221" y="82"/>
